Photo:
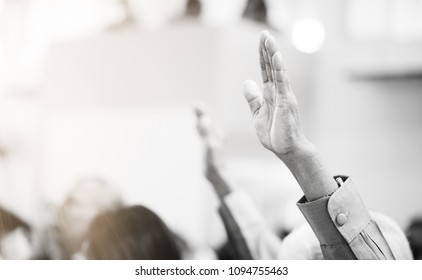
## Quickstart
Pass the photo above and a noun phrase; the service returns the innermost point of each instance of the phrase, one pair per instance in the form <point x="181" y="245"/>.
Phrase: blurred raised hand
<point x="212" y="139"/>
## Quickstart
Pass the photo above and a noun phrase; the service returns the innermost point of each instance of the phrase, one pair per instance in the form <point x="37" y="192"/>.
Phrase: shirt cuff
<point x="243" y="209"/>
<point x="343" y="212"/>
<point x="347" y="211"/>
<point x="316" y="214"/>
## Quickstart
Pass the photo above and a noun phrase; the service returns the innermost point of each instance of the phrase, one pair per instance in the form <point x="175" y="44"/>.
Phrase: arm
<point x="212" y="140"/>
<point x="247" y="232"/>
<point x="341" y="222"/>
<point x="276" y="120"/>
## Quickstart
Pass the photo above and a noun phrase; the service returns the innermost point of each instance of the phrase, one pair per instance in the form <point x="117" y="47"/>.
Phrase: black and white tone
<point x="210" y="129"/>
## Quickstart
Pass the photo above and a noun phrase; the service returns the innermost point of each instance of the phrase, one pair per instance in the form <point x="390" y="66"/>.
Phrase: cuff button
<point x="341" y="219"/>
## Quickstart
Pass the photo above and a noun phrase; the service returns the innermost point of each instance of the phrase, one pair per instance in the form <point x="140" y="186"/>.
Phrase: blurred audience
<point x="88" y="198"/>
<point x="94" y="223"/>
<point x="237" y="247"/>
<point x="131" y="233"/>
<point x="15" y="237"/>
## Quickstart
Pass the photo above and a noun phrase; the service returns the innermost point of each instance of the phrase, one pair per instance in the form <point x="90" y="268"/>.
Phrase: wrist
<point x="217" y="179"/>
<point x="307" y="167"/>
<point x="212" y="174"/>
<point x="304" y="151"/>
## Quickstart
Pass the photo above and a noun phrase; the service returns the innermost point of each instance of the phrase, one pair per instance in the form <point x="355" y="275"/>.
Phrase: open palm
<point x="274" y="111"/>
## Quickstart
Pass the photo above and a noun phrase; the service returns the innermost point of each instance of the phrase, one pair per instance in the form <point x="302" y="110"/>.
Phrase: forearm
<point x="234" y="232"/>
<point x="313" y="177"/>
<point x="247" y="230"/>
<point x="218" y="182"/>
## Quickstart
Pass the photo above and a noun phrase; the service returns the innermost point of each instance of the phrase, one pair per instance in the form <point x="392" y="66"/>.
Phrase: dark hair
<point x="131" y="233"/>
<point x="414" y="235"/>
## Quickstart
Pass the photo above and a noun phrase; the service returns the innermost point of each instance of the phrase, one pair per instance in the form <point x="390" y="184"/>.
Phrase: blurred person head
<point x="193" y="8"/>
<point x="256" y="10"/>
<point x="15" y="237"/>
<point x="88" y="198"/>
<point x="414" y="235"/>
<point x="131" y="233"/>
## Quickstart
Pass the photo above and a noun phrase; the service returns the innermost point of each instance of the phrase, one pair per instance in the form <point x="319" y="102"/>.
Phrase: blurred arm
<point x="245" y="227"/>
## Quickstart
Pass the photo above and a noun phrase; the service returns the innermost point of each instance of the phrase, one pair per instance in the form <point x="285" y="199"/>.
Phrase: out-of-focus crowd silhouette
<point x="104" y="156"/>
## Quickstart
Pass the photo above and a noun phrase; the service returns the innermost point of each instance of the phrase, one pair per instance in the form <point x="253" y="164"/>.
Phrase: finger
<point x="204" y="127"/>
<point x="198" y="108"/>
<point x="279" y="72"/>
<point x="271" y="46"/>
<point x="263" y="65"/>
<point x="271" y="49"/>
<point x="280" y="75"/>
<point x="262" y="62"/>
<point x="203" y="121"/>
<point x="253" y="95"/>
<point x="266" y="61"/>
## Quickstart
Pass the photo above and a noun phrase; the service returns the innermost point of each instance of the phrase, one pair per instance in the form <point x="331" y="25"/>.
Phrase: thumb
<point x="253" y="95"/>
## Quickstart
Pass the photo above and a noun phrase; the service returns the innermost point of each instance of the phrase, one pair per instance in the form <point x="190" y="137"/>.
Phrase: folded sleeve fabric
<point x="346" y="230"/>
<point x="243" y="221"/>
<point x="234" y="233"/>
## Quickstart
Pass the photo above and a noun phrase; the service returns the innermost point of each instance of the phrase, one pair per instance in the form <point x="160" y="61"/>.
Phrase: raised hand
<point x="212" y="139"/>
<point x="274" y="111"/>
<point x="276" y="120"/>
